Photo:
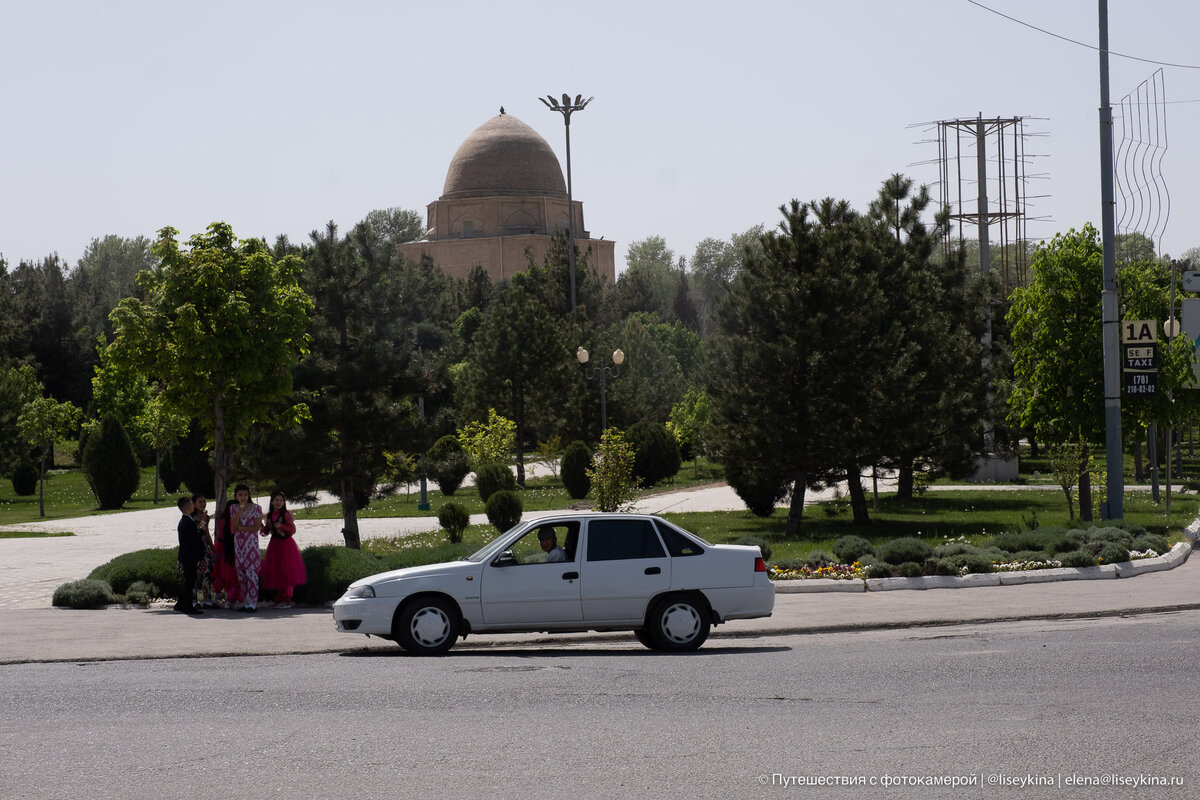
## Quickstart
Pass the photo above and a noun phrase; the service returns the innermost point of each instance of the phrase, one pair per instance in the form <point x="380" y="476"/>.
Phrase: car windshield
<point x="492" y="548"/>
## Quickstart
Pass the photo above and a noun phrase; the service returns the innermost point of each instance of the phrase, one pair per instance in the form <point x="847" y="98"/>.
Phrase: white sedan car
<point x="574" y="572"/>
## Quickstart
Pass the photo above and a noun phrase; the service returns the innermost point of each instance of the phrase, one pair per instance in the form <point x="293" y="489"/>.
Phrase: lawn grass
<point x="68" y="495"/>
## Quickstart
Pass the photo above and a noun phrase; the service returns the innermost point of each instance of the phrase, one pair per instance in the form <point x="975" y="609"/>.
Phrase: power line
<point x="1081" y="44"/>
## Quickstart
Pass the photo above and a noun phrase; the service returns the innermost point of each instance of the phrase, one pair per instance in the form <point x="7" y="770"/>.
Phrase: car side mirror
<point x="505" y="559"/>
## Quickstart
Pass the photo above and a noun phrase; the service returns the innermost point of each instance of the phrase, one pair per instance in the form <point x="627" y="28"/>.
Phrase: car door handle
<point x="570" y="576"/>
<point x="653" y="571"/>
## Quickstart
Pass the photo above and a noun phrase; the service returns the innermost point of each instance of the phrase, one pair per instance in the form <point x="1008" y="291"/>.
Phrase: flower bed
<point x="833" y="571"/>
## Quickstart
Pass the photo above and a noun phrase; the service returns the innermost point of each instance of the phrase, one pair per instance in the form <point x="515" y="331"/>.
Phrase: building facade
<point x="503" y="201"/>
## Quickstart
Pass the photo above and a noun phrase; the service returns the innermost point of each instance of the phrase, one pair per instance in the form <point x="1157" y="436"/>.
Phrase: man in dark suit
<point x="191" y="550"/>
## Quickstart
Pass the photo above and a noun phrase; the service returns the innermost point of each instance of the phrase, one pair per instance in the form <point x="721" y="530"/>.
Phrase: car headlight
<point x="361" y="591"/>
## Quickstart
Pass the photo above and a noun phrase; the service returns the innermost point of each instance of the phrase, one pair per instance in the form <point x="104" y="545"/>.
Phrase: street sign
<point x="1139" y="346"/>
<point x="1191" y="281"/>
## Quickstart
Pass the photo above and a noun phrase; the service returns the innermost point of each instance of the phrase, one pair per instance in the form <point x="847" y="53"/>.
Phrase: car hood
<point x="423" y="571"/>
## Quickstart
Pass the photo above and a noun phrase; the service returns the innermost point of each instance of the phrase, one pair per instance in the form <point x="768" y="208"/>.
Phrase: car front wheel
<point x="427" y="626"/>
<point x="678" y="623"/>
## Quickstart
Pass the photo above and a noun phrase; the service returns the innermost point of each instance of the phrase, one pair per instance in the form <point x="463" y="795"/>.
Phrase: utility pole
<point x="1114" y="506"/>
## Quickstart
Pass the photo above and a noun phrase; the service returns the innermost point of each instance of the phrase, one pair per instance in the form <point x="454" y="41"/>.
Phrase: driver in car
<point x="549" y="541"/>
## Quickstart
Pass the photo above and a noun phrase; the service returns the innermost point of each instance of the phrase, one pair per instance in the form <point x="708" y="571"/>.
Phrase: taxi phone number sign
<point x="1139" y="349"/>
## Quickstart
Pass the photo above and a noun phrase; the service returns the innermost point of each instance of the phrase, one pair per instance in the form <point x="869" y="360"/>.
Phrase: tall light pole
<point x="1114" y="506"/>
<point x="566" y="108"/>
<point x="602" y="372"/>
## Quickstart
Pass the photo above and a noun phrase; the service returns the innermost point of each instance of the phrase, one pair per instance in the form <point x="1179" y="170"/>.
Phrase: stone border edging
<point x="1126" y="569"/>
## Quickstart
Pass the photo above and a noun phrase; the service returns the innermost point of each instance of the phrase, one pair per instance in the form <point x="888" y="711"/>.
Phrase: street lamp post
<point x="566" y="108"/>
<point x="603" y="372"/>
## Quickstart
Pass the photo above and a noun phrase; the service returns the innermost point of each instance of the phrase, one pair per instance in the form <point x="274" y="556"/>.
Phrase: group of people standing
<point x="228" y="569"/>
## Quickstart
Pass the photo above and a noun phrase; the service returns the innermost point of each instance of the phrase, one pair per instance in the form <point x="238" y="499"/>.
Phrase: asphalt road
<point x="1103" y="699"/>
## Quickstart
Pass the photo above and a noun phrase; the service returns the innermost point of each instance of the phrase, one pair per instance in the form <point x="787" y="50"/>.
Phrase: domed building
<point x="503" y="200"/>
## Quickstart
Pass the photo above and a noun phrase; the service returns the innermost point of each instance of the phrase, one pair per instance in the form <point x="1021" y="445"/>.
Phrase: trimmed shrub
<point x="1097" y="535"/>
<point x="1077" y="558"/>
<point x="819" y="558"/>
<point x="910" y="569"/>
<point x="25" y="478"/>
<point x="1151" y="541"/>
<point x="504" y="509"/>
<point x="906" y="549"/>
<point x="656" y="453"/>
<point x="1043" y="539"/>
<point x="454" y="519"/>
<point x="87" y="593"/>
<point x="156" y="566"/>
<point x="763" y="545"/>
<point x="1112" y="553"/>
<point x="849" y="549"/>
<point x="959" y="563"/>
<point x="110" y="464"/>
<point x="757" y="488"/>
<point x="447" y="464"/>
<point x="493" y="478"/>
<point x="576" y="460"/>
<point x="879" y="571"/>
<point x="331" y="569"/>
<point x="141" y="593"/>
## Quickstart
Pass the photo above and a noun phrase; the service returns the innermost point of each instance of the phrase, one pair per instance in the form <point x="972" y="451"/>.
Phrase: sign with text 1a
<point x="1139" y="349"/>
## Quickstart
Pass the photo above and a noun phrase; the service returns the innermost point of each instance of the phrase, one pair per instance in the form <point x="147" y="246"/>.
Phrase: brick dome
<point x="504" y="157"/>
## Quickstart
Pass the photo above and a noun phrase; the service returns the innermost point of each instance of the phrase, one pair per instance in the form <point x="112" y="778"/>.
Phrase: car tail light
<point x="760" y="565"/>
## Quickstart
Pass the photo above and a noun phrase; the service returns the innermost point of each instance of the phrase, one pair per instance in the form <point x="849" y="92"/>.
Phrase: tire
<point x="427" y="626"/>
<point x="678" y="623"/>
<point x="644" y="637"/>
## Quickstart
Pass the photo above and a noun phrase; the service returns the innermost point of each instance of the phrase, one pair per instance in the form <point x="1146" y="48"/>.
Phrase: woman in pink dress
<point x="283" y="568"/>
<point x="246" y="519"/>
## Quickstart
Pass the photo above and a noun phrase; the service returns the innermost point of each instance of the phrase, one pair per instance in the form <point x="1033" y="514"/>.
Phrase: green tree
<point x="520" y="363"/>
<point x="488" y="442"/>
<point x="42" y="421"/>
<point x="18" y="386"/>
<point x="649" y="280"/>
<point x="931" y="408"/>
<point x="396" y="225"/>
<point x="1058" y="381"/>
<point x="119" y="389"/>
<point x="690" y="423"/>
<point x="714" y="266"/>
<point x="160" y="427"/>
<point x="802" y="351"/>
<point x="611" y="473"/>
<point x="104" y="276"/>
<point x="356" y="379"/>
<point x="109" y="463"/>
<point x="220" y="329"/>
<point x="652" y="379"/>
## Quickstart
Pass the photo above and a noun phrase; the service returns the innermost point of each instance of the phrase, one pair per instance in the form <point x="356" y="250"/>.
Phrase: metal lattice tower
<point x="983" y="181"/>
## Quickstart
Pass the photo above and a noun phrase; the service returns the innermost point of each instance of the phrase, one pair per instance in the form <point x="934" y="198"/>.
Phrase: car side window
<point x="677" y="544"/>
<point x="619" y="539"/>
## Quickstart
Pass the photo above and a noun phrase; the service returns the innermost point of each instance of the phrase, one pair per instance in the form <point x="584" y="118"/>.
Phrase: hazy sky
<point x="277" y="116"/>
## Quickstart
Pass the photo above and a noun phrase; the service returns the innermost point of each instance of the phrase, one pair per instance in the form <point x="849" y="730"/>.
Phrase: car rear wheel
<point x="427" y="626"/>
<point x="678" y="623"/>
